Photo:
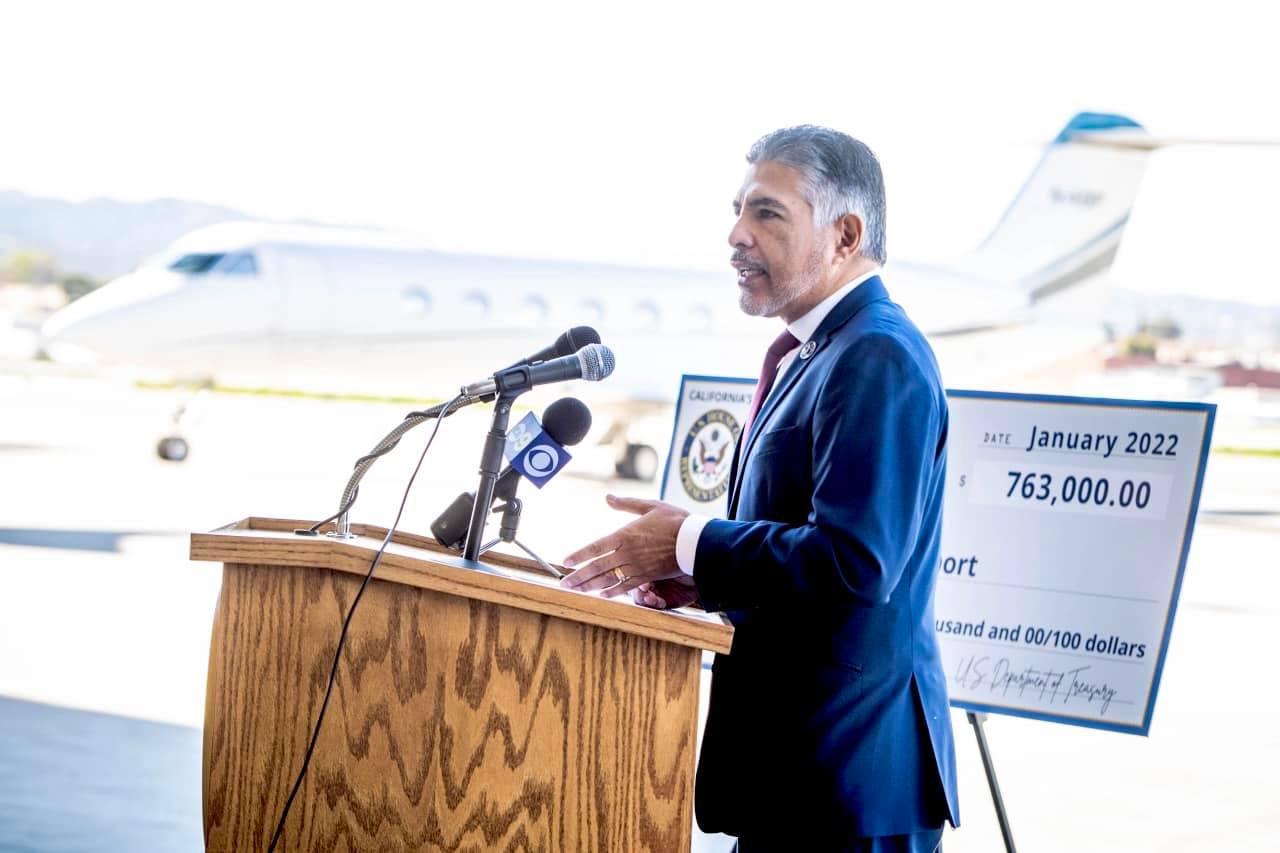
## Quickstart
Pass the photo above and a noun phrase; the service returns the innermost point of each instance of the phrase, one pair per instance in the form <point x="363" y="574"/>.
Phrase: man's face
<point x="778" y="253"/>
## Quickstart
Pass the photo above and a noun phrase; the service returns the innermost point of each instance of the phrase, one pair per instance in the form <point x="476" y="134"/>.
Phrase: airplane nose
<point x="101" y="323"/>
<point x="70" y="334"/>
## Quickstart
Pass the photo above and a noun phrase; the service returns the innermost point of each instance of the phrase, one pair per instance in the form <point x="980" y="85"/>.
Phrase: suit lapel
<point x="733" y="477"/>
<point x="871" y="290"/>
<point x="780" y="388"/>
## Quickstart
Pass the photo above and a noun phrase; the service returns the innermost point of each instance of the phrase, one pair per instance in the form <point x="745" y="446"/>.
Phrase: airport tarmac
<point x="101" y="612"/>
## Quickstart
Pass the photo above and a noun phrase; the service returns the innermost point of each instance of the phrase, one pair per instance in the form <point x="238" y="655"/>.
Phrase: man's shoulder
<point x="882" y="330"/>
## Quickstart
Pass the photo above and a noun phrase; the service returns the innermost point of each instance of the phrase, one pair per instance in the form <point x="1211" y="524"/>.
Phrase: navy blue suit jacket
<point x="830" y="716"/>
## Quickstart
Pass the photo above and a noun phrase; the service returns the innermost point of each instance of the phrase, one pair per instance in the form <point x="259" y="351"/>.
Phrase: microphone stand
<point x="511" y="509"/>
<point x="490" y="466"/>
<point x="507" y="384"/>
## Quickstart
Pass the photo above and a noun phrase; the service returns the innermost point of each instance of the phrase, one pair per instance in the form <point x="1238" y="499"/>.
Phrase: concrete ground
<point x="101" y="611"/>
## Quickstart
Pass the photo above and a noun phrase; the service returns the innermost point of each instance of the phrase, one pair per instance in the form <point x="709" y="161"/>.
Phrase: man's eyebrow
<point x="760" y="201"/>
<point x="766" y="201"/>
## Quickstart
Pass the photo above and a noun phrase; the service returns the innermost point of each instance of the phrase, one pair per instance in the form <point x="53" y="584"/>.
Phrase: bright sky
<point x="599" y="131"/>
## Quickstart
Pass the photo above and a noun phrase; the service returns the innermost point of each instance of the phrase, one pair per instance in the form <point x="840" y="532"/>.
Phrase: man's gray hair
<point x="841" y="176"/>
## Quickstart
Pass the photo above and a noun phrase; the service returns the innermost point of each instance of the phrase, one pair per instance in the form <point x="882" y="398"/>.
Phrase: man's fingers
<point x="637" y="505"/>
<point x="616" y="587"/>
<point x="597" y="574"/>
<point x="640" y="552"/>
<point x="646" y="597"/>
<point x="590" y="552"/>
<point x="610" y="575"/>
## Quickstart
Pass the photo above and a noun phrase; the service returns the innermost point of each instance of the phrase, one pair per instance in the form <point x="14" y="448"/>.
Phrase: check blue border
<point x="1209" y="410"/>
<point x="675" y="420"/>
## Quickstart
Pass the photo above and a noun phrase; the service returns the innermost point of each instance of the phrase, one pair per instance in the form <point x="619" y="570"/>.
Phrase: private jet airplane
<point x="327" y="309"/>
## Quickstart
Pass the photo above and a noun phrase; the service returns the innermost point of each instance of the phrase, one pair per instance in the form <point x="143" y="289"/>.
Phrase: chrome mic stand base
<point x="507" y="533"/>
<point x="543" y="564"/>
<point x="342" y="530"/>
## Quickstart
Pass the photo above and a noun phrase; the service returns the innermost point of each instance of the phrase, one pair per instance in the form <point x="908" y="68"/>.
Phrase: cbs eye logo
<point x="541" y="461"/>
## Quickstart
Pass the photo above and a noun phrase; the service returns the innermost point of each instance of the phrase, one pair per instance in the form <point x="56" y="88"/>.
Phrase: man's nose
<point x="740" y="235"/>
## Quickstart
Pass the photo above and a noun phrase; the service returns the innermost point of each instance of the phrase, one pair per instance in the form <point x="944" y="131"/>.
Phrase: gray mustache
<point x="741" y="258"/>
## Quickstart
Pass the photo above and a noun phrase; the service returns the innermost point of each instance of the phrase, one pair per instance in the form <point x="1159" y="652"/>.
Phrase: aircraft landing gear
<point x="638" y="462"/>
<point x="172" y="448"/>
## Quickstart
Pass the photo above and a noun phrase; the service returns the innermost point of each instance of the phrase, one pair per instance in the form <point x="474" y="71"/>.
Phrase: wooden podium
<point x="477" y="706"/>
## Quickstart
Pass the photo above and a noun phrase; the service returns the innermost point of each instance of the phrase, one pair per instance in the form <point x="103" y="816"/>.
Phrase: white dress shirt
<point x="803" y="328"/>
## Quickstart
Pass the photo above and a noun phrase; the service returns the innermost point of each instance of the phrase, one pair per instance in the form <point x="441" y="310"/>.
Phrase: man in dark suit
<point x="828" y="726"/>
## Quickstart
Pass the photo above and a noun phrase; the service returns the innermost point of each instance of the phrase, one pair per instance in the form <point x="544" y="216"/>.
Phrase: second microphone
<point x="592" y="363"/>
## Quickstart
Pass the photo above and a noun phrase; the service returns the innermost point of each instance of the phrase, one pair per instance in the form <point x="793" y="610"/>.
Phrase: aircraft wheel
<point x="639" y="463"/>
<point x="172" y="448"/>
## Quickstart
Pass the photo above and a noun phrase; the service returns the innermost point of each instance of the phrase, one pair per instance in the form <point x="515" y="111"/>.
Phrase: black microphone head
<point x="567" y="420"/>
<point x="568" y="343"/>
<point x="575" y="339"/>
<point x="596" y="360"/>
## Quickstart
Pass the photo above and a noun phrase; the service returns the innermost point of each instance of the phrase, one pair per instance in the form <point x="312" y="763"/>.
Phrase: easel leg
<point x="976" y="720"/>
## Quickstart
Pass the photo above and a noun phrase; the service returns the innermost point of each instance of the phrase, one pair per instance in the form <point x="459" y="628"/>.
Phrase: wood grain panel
<point x="418" y="561"/>
<point x="455" y="724"/>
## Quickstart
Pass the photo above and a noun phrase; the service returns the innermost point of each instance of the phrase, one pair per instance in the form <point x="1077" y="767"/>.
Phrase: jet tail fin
<point x="1065" y="224"/>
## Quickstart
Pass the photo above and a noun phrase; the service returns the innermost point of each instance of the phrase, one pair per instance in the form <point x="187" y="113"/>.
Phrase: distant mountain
<point x="1203" y="319"/>
<point x="102" y="237"/>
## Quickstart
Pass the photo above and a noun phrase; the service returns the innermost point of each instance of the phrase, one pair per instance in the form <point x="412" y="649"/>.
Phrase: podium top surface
<point x="421" y="562"/>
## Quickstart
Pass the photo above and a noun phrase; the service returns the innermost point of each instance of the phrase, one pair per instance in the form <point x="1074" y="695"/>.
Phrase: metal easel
<point x="976" y="719"/>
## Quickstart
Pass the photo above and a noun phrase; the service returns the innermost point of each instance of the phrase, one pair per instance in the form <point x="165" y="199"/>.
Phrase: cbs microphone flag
<point x="520" y="435"/>
<point x="541" y="459"/>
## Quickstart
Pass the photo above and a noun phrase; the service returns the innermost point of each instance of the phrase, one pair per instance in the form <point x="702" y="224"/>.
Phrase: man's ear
<point x="849" y="231"/>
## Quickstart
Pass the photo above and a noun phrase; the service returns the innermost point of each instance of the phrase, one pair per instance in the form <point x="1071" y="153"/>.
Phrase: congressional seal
<point x="707" y="455"/>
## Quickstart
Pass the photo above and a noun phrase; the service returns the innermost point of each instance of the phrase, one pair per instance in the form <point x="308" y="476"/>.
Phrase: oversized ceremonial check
<point x="1066" y="527"/>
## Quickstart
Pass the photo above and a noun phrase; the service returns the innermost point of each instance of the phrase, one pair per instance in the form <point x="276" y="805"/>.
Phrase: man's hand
<point x="665" y="594"/>
<point x="642" y="552"/>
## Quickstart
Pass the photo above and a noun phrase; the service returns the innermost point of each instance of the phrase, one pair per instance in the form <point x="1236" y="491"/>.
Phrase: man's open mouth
<point x="748" y="271"/>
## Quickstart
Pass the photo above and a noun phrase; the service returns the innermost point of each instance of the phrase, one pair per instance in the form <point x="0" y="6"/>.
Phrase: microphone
<point x="566" y="421"/>
<point x="592" y="363"/>
<point x="567" y="344"/>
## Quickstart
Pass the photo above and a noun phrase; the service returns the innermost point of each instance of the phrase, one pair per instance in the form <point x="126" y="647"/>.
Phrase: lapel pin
<point x="808" y="349"/>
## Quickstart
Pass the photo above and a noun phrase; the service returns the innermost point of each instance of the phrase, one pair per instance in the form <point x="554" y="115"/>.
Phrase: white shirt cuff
<point x="687" y="541"/>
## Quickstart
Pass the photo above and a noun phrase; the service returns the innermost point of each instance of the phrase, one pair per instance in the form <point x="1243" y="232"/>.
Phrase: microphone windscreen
<point x="567" y="420"/>
<point x="597" y="362"/>
<point x="575" y="339"/>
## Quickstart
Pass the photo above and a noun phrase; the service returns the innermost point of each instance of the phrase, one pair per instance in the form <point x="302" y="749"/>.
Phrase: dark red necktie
<point x="782" y="345"/>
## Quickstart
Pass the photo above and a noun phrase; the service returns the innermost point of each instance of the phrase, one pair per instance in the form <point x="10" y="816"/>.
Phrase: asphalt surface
<point x="104" y="624"/>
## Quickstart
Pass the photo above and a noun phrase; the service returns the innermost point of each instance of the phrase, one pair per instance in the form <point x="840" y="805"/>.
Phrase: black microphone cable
<point x="346" y="623"/>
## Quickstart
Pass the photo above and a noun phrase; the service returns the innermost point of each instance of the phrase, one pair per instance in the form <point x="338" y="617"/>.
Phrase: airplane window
<point x="475" y="304"/>
<point x="646" y="314"/>
<point x="241" y="264"/>
<point x="535" y="308"/>
<point x="416" y="300"/>
<point x="700" y="317"/>
<point x="195" y="264"/>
